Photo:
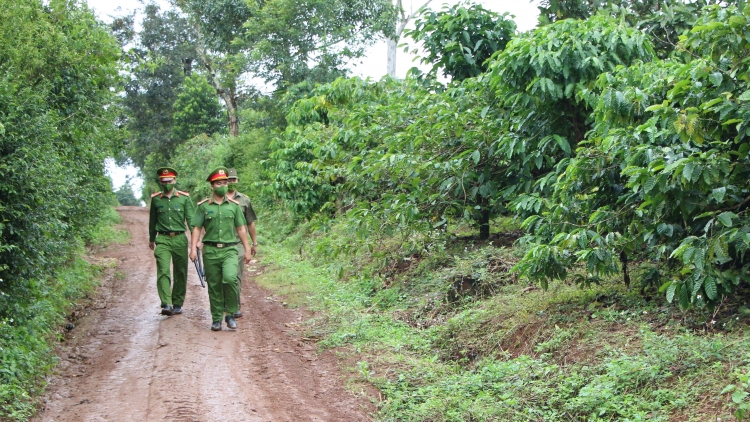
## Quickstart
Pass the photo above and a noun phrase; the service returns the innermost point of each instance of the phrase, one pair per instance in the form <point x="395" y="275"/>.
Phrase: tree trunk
<point x="392" y="49"/>
<point x="228" y="95"/>
<point x="230" y="100"/>
<point x="484" y="224"/>
<point x="234" y="119"/>
<point x="401" y="23"/>
<point x="187" y="66"/>
<point x="625" y="272"/>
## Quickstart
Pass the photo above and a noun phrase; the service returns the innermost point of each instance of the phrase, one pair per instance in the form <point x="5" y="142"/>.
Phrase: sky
<point x="373" y="65"/>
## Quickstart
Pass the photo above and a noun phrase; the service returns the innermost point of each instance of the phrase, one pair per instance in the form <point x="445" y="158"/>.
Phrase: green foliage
<point x="740" y="393"/>
<point x="125" y="196"/>
<point x="460" y="38"/>
<point x="663" y="175"/>
<point x="355" y="145"/>
<point x="162" y="56"/>
<point x="515" y="355"/>
<point x="545" y="80"/>
<point x="28" y="334"/>
<point x="662" y="20"/>
<point x="334" y="31"/>
<point x="196" y="109"/>
<point x="55" y="81"/>
<point x="57" y="74"/>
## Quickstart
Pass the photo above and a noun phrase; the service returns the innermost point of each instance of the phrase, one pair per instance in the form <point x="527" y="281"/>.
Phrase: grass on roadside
<point x="28" y="336"/>
<point x="452" y="336"/>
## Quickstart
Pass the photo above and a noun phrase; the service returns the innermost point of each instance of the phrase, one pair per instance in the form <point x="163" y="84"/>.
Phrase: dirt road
<point x="126" y="362"/>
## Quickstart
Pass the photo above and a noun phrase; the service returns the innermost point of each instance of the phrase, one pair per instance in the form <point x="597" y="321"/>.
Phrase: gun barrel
<point x="199" y="268"/>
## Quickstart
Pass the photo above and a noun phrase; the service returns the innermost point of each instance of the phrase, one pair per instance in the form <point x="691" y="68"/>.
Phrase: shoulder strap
<point x="183" y="192"/>
<point x="154" y="194"/>
<point x="202" y="201"/>
<point x="232" y="200"/>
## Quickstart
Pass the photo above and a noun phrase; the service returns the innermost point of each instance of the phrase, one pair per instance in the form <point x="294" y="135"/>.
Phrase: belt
<point x="220" y="245"/>
<point x="171" y="233"/>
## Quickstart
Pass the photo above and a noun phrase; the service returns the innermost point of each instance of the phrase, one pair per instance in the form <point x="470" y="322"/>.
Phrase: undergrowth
<point x="29" y="334"/>
<point x="447" y="333"/>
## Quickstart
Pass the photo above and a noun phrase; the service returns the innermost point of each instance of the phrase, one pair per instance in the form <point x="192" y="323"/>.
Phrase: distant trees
<point x="196" y="109"/>
<point x="125" y="196"/>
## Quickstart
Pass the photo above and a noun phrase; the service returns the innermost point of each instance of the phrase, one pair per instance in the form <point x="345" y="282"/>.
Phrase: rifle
<point x="199" y="268"/>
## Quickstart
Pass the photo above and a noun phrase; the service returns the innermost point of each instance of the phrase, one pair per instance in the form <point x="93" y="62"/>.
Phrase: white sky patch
<point x="121" y="174"/>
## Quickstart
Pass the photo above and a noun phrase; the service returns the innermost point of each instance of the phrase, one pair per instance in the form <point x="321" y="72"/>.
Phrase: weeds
<point x="502" y="351"/>
<point x="28" y="335"/>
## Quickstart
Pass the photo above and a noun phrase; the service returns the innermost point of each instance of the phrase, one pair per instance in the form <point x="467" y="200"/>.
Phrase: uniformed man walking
<point x="249" y="213"/>
<point x="223" y="221"/>
<point x="171" y="210"/>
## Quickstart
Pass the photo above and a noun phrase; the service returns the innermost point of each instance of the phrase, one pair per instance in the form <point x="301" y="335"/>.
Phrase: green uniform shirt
<point x="219" y="220"/>
<point x="246" y="206"/>
<point x="169" y="214"/>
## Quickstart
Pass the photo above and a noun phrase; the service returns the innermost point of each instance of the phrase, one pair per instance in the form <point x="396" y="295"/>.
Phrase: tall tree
<point x="196" y="110"/>
<point x="402" y="20"/>
<point x="162" y="56"/>
<point x="217" y="26"/>
<point x="460" y="38"/>
<point x="290" y="41"/>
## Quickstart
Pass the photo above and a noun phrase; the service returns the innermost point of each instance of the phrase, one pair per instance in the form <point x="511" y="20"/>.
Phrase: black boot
<point x="167" y="310"/>
<point x="216" y="326"/>
<point x="177" y="309"/>
<point x="231" y="323"/>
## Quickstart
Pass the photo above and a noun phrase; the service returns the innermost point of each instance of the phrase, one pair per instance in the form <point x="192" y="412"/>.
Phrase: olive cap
<point x="232" y="174"/>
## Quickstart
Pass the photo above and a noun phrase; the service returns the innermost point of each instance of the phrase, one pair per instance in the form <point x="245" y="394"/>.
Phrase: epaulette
<point x="204" y="200"/>
<point x="183" y="192"/>
<point x="232" y="200"/>
<point x="157" y="193"/>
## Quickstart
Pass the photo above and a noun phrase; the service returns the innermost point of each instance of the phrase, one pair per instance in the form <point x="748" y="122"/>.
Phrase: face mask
<point x="220" y="190"/>
<point x="232" y="187"/>
<point x="167" y="187"/>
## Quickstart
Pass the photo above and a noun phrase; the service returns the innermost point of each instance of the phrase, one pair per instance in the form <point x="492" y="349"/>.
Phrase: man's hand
<point x="151" y="245"/>
<point x="193" y="254"/>
<point x="253" y="250"/>
<point x="248" y="257"/>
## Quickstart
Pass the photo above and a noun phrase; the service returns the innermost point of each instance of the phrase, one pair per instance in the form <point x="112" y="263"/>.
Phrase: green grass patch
<point x="447" y="333"/>
<point x="106" y="233"/>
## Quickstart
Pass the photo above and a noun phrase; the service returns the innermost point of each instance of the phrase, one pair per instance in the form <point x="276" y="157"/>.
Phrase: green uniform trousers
<point x="240" y="272"/>
<point x="220" y="266"/>
<point x="174" y="249"/>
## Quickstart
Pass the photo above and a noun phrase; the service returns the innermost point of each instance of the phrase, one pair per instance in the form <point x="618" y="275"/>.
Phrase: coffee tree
<point x="664" y="173"/>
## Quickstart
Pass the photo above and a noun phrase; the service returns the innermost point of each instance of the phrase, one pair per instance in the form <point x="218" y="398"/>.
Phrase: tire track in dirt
<point x="126" y="362"/>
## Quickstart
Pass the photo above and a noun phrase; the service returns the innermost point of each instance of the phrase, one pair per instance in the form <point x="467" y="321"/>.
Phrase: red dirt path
<point x="126" y="362"/>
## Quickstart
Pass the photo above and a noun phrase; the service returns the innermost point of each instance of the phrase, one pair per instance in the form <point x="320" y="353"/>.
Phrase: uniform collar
<point x="211" y="200"/>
